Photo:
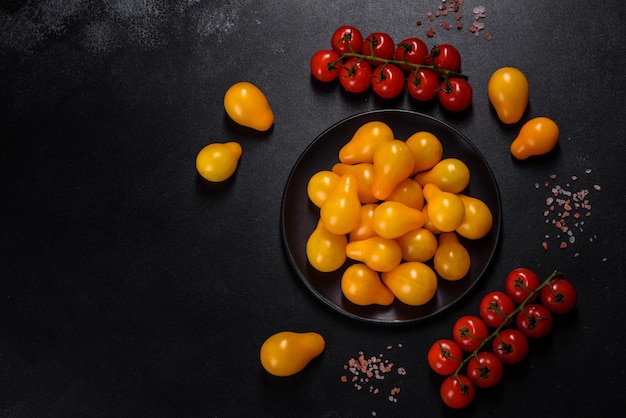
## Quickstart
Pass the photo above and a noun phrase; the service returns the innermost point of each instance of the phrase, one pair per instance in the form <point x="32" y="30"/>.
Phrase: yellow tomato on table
<point x="287" y="353"/>
<point x="246" y="104"/>
<point x="218" y="161"/>
<point x="508" y="93"/>
<point x="538" y="136"/>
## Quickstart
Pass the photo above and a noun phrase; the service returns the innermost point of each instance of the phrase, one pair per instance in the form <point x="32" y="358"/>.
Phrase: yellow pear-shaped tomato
<point x="445" y="210"/>
<point x="363" y="144"/>
<point x="218" y="161"/>
<point x="478" y="218"/>
<point x="287" y="353"/>
<point x="364" y="229"/>
<point x="418" y="245"/>
<point x="450" y="175"/>
<point x="342" y="209"/>
<point x="413" y="283"/>
<point x="324" y="250"/>
<point x="320" y="186"/>
<point x="508" y="93"/>
<point x="246" y="104"/>
<point x="378" y="253"/>
<point x="452" y="260"/>
<point x="538" y="136"/>
<point x="409" y="192"/>
<point x="394" y="219"/>
<point x="427" y="150"/>
<point x="362" y="286"/>
<point x="393" y="163"/>
<point x="427" y="222"/>
<point x="364" y="173"/>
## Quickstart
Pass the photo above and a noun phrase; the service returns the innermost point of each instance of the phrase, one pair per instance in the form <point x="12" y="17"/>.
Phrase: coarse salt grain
<point x="564" y="204"/>
<point x="368" y="370"/>
<point x="453" y="8"/>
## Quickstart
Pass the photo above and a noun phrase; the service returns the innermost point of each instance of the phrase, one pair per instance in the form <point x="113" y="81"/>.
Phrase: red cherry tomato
<point x="469" y="332"/>
<point x="510" y="345"/>
<point x="534" y="321"/>
<point x="485" y="369"/>
<point x="380" y="45"/>
<point x="446" y="57"/>
<point x="423" y="84"/>
<point x="355" y="75"/>
<point x="325" y="65"/>
<point x="455" y="94"/>
<point x="444" y="357"/>
<point x="495" y="307"/>
<point x="387" y="81"/>
<point x="457" y="391"/>
<point x="559" y="296"/>
<point x="411" y="50"/>
<point x="519" y="283"/>
<point x="347" y="39"/>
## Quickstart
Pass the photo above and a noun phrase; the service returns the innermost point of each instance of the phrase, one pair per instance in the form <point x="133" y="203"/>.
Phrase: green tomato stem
<point x="446" y="73"/>
<point x="509" y="317"/>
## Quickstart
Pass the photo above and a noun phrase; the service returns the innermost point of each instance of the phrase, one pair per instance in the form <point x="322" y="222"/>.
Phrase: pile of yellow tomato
<point x="393" y="206"/>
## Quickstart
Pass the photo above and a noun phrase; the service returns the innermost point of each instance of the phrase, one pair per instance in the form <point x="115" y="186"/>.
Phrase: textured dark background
<point x="130" y="288"/>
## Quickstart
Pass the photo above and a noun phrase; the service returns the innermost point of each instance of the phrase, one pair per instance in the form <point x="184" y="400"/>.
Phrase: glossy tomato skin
<point x="508" y="93"/>
<point x="380" y="45"/>
<point x="325" y="65"/>
<point x="469" y="332"/>
<point x="444" y="357"/>
<point x="362" y="286"/>
<point x="325" y="250"/>
<point x="355" y="75"/>
<point x="218" y="161"/>
<point x="559" y="296"/>
<point x="411" y="50"/>
<point x="423" y="84"/>
<point x="346" y="39"/>
<point x="387" y="81"/>
<point x="247" y="105"/>
<point x="534" y="321"/>
<point x="455" y="94"/>
<point x="457" y="391"/>
<point x="494" y="307"/>
<point x="510" y="345"/>
<point x="446" y="57"/>
<point x="538" y="136"/>
<point x="520" y="283"/>
<point x="287" y="353"/>
<point x="485" y="369"/>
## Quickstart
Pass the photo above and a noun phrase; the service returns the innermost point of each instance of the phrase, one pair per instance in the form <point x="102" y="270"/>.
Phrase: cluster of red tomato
<point x="527" y="303"/>
<point x="378" y="62"/>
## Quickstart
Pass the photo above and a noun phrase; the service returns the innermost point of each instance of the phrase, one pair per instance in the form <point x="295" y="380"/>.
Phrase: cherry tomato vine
<point x="377" y="62"/>
<point x="532" y="317"/>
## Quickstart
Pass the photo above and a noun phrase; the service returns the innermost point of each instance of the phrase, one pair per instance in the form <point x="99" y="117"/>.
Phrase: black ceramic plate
<point x="300" y="216"/>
